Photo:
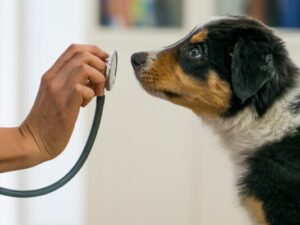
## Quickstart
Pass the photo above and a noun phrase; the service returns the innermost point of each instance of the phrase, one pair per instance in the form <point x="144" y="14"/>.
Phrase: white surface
<point x="49" y="28"/>
<point x="154" y="162"/>
<point x="45" y="29"/>
<point x="8" y="95"/>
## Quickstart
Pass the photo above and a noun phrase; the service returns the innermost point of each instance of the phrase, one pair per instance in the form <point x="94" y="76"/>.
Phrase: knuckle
<point x="49" y="85"/>
<point x="73" y="47"/>
<point x="102" y="78"/>
<point x="95" y="48"/>
<point x="78" y="88"/>
<point x="51" y="88"/>
<point x="83" y="69"/>
<point x="83" y="56"/>
<point x="45" y="79"/>
<point x="102" y="65"/>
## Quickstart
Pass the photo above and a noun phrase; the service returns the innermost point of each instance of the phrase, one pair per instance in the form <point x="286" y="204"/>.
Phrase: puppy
<point x="237" y="76"/>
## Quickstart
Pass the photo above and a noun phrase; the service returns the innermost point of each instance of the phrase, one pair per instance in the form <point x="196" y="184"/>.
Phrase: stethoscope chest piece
<point x="111" y="70"/>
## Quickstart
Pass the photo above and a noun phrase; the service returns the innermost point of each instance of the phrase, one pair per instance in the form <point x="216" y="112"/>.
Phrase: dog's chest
<point x="245" y="133"/>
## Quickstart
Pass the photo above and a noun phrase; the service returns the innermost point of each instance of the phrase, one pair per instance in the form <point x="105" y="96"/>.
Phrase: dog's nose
<point x="139" y="59"/>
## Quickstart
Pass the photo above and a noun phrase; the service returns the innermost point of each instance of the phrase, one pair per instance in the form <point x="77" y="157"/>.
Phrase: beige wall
<point x="33" y="34"/>
<point x="154" y="162"/>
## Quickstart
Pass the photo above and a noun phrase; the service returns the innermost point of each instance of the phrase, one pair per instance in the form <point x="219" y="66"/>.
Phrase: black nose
<point x="139" y="59"/>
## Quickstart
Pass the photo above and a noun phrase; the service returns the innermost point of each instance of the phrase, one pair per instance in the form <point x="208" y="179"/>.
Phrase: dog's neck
<point x="246" y="132"/>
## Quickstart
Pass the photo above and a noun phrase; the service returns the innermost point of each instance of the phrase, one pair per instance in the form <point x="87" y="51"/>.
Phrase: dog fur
<point x="236" y="74"/>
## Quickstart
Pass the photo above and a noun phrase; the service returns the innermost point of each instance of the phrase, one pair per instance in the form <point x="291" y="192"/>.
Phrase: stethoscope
<point x="111" y="71"/>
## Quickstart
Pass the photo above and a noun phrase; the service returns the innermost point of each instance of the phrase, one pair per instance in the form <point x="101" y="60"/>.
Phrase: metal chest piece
<point x="111" y="70"/>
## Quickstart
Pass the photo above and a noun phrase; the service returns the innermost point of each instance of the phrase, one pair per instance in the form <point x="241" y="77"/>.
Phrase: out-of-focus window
<point x="277" y="13"/>
<point x="141" y="13"/>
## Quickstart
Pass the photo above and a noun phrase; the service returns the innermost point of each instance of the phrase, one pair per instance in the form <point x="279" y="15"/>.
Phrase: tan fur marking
<point x="255" y="209"/>
<point x="199" y="37"/>
<point x="210" y="96"/>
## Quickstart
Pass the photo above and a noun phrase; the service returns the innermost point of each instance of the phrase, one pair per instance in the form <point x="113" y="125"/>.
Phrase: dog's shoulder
<point x="273" y="180"/>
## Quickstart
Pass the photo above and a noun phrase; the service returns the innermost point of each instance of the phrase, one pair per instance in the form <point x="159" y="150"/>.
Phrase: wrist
<point x="18" y="150"/>
<point x="33" y="154"/>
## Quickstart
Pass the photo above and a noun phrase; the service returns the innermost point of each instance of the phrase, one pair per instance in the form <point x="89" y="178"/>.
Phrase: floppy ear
<point x="252" y="66"/>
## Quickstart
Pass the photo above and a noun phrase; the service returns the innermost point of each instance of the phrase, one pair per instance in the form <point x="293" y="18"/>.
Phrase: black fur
<point x="268" y="47"/>
<point x="252" y="67"/>
<point x="295" y="105"/>
<point x="254" y="62"/>
<point x="274" y="178"/>
<point x="198" y="68"/>
<point x="249" y="57"/>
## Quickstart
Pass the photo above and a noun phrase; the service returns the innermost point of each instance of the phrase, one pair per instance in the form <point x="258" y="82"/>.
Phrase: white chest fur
<point x="246" y="132"/>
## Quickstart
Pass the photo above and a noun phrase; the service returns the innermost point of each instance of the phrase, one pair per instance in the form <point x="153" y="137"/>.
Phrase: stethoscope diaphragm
<point x="111" y="70"/>
<point x="110" y="74"/>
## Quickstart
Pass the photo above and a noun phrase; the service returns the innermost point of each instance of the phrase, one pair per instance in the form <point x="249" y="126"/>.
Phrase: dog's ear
<point x="252" y="66"/>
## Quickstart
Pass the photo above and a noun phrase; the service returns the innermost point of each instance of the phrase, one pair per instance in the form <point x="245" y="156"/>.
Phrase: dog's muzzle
<point x="139" y="60"/>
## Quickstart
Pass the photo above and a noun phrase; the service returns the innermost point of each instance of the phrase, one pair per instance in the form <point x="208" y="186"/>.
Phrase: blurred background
<point x="153" y="162"/>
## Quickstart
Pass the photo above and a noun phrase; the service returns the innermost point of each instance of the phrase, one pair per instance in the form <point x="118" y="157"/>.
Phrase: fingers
<point x="90" y="77"/>
<point x="80" y="68"/>
<point x="75" y="49"/>
<point x="85" y="94"/>
<point x="80" y="59"/>
<point x="75" y="78"/>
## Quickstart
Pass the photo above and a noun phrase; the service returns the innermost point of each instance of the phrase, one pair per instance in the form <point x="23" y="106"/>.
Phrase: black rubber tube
<point x="75" y="169"/>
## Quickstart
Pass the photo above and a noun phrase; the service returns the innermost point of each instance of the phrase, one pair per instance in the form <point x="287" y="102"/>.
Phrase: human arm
<point x="75" y="78"/>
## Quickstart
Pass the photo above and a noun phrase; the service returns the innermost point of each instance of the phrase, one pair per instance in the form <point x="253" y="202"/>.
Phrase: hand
<point x="75" y="78"/>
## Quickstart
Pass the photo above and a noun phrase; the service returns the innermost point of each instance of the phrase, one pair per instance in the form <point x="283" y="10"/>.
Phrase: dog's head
<point x="219" y="68"/>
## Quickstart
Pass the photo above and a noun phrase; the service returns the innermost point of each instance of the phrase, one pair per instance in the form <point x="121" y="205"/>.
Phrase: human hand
<point x="75" y="78"/>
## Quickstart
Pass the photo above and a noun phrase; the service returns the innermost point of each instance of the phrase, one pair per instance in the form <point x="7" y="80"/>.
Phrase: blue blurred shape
<point x="290" y="13"/>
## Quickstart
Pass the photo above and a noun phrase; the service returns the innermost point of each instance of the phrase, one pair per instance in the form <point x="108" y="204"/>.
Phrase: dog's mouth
<point x="162" y="93"/>
<point x="171" y="94"/>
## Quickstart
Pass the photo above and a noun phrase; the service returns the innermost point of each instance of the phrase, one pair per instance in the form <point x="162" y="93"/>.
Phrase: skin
<point x="75" y="78"/>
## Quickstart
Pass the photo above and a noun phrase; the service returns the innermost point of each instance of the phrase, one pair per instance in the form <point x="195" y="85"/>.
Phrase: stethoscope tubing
<point x="75" y="169"/>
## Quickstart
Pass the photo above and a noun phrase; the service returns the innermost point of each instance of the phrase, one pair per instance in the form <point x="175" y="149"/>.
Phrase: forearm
<point x="75" y="78"/>
<point x="17" y="151"/>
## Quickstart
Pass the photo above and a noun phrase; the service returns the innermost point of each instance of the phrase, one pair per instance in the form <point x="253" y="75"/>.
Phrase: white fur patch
<point x="245" y="132"/>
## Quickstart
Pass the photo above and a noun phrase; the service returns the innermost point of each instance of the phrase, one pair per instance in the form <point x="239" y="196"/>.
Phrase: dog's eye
<point x="196" y="53"/>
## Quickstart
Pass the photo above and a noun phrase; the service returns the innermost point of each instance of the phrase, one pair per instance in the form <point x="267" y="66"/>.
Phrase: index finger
<point x="73" y="50"/>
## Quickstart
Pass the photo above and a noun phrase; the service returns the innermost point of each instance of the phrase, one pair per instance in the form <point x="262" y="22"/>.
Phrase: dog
<point x="236" y="74"/>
